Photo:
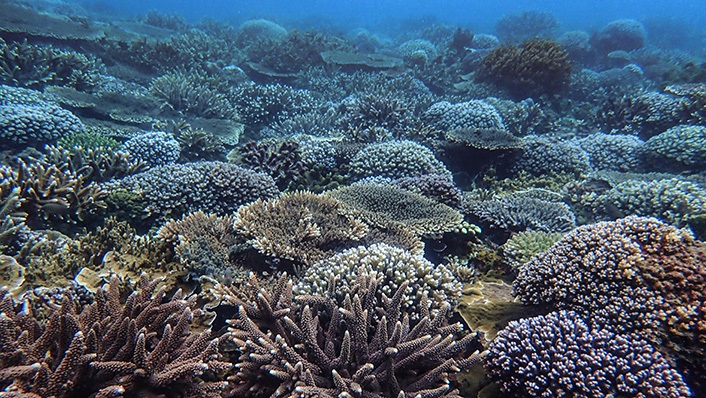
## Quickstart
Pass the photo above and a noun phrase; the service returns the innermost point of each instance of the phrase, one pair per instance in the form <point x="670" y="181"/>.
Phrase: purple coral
<point x="559" y="355"/>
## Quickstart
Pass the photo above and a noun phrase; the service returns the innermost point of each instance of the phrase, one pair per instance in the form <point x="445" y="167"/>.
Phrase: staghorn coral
<point x="364" y="347"/>
<point x="516" y="212"/>
<point x="12" y="220"/>
<point x="215" y="187"/>
<point x="544" y="155"/>
<point x="138" y="346"/>
<point x="535" y="68"/>
<point x="560" y="354"/>
<point x="300" y="226"/>
<point x="396" y="159"/>
<point x="613" y="152"/>
<point x="88" y="140"/>
<point x="385" y="206"/>
<point x="153" y="148"/>
<point x="634" y="275"/>
<point x="51" y="195"/>
<point x="193" y="93"/>
<point x="335" y="277"/>
<point x="96" y="164"/>
<point x="681" y="148"/>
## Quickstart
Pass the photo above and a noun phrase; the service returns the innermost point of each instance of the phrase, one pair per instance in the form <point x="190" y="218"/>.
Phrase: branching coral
<point x="142" y="345"/>
<point x="681" y="148"/>
<point x="49" y="194"/>
<point x="96" y="164"/>
<point x="193" y="93"/>
<point x="203" y="242"/>
<point x="515" y="28"/>
<point x="35" y="124"/>
<point x="153" y="148"/>
<point x="535" y="68"/>
<point x="335" y="277"/>
<point x="634" y="275"/>
<point x="364" y="347"/>
<point x="279" y="159"/>
<point x="300" y="226"/>
<point x="560" y="355"/>
<point x="396" y="159"/>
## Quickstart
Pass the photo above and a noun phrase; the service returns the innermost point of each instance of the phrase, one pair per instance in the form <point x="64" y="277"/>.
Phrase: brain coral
<point x="394" y="265"/>
<point x="474" y="114"/>
<point x="155" y="148"/>
<point x="396" y="159"/>
<point x="633" y="275"/>
<point x="680" y="148"/>
<point x="387" y="206"/>
<point x="560" y="355"/>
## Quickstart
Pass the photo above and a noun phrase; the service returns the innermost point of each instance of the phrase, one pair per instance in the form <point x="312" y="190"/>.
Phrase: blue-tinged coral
<point x="560" y="354"/>
<point x="622" y="34"/>
<point x="154" y="148"/>
<point x="254" y="30"/>
<point x="543" y="155"/>
<point x="474" y="114"/>
<point x="634" y="275"/>
<point x="216" y="187"/>
<point x="335" y="277"/>
<point x="396" y="159"/>
<point x="613" y="152"/>
<point x="433" y="186"/>
<point x="272" y="103"/>
<point x="681" y="148"/>
<point x="646" y="114"/>
<point x="524" y="245"/>
<point x="518" y="27"/>
<point x="672" y="200"/>
<point x="36" y="124"/>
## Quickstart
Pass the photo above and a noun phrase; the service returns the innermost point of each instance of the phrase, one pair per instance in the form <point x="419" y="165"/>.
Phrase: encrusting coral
<point x="138" y="346"/>
<point x="364" y="347"/>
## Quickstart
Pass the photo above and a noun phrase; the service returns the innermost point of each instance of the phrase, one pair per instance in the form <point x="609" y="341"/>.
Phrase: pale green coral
<point x="522" y="246"/>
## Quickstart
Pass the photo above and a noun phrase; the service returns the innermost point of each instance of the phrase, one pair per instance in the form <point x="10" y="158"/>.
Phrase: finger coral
<point x="560" y="354"/>
<point x="633" y="275"/>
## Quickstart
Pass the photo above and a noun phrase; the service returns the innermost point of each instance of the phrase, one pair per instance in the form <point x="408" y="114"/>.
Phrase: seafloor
<point x="206" y="210"/>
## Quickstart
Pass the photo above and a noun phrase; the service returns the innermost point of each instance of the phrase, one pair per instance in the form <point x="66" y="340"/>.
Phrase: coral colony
<point x="256" y="210"/>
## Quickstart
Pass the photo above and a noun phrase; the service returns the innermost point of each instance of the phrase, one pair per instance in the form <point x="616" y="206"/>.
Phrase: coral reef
<point x="336" y="276"/>
<point x="634" y="275"/>
<point x="560" y="354"/>
<point x="279" y="159"/>
<point x="613" y="152"/>
<point x="362" y="347"/>
<point x="524" y="245"/>
<point x="623" y="34"/>
<point x="535" y="68"/>
<point x="193" y="93"/>
<point x="34" y="124"/>
<point x="516" y="28"/>
<point x="542" y="155"/>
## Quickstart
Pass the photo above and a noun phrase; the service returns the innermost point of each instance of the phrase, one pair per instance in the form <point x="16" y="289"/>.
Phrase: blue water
<point x="479" y="15"/>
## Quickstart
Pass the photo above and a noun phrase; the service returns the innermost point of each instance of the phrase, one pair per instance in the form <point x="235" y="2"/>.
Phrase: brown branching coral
<point x="365" y="347"/>
<point x="50" y="194"/>
<point x="138" y="346"/>
<point x="535" y="68"/>
<point x="279" y="159"/>
<point x="300" y="226"/>
<point x="203" y="242"/>
<point x="96" y="164"/>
